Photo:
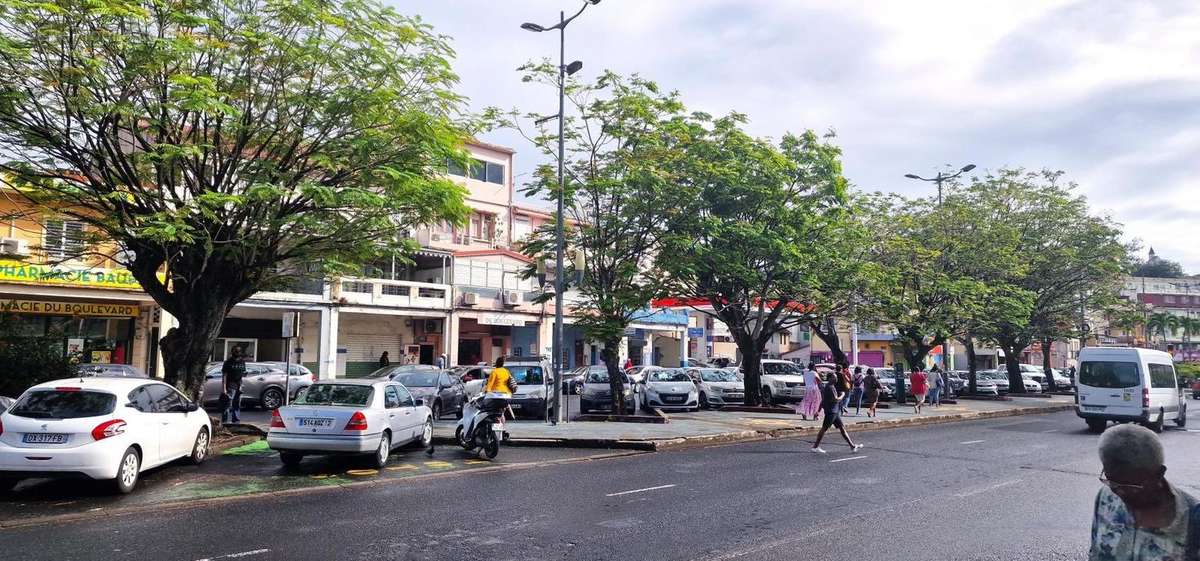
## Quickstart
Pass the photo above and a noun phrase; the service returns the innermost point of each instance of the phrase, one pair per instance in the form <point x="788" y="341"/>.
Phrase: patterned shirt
<point x="1116" y="538"/>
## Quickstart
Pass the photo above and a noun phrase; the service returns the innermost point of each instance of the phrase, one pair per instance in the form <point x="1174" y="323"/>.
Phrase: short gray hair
<point x="1130" y="447"/>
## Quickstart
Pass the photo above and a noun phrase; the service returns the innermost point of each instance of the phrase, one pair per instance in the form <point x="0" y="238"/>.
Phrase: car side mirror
<point x="131" y="405"/>
<point x="192" y="407"/>
<point x="420" y="402"/>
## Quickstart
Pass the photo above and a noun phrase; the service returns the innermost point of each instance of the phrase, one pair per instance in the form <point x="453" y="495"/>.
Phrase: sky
<point x="1106" y="90"/>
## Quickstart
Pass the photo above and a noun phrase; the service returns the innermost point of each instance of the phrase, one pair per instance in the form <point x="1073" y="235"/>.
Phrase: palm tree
<point x="1162" y="323"/>
<point x="1190" y="327"/>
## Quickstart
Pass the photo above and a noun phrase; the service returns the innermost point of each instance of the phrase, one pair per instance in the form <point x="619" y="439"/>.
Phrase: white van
<point x="1128" y="384"/>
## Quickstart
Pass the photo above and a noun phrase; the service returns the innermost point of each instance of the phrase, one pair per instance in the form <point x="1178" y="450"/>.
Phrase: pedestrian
<point x="871" y="389"/>
<point x="232" y="373"/>
<point x="628" y="364"/>
<point x="918" y="381"/>
<point x="384" y="360"/>
<point x="1138" y="513"/>
<point x="831" y="402"/>
<point x="936" y="384"/>
<point x="856" y="390"/>
<point x="441" y="361"/>
<point x="811" y="405"/>
<point x="844" y="384"/>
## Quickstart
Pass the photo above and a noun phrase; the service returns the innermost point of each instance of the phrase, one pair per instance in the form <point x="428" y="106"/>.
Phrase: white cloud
<point x="1107" y="90"/>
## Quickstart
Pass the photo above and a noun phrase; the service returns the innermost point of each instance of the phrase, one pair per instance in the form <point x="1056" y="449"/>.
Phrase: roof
<point x="490" y="146"/>
<point x="352" y="381"/>
<point x="106" y="383"/>
<point x="493" y="252"/>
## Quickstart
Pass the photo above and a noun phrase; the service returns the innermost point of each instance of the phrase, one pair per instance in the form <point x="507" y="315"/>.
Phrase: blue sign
<point x="695" y="332"/>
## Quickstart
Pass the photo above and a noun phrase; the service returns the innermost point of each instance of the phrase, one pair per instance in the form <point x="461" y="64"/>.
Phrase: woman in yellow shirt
<point x="500" y="380"/>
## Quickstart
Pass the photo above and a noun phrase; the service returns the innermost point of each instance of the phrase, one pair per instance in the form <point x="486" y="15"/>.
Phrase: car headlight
<point x="777" y="383"/>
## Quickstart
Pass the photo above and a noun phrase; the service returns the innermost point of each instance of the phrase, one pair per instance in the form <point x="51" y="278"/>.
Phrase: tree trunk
<point x="1012" y="363"/>
<point x="752" y="370"/>
<point x="968" y="341"/>
<point x="1046" y="365"/>
<point x="616" y="377"/>
<point x="826" y="330"/>
<point x="187" y="348"/>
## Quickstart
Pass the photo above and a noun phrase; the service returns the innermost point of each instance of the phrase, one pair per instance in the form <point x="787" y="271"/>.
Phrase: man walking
<point x="830" y="402"/>
<point x="856" y="390"/>
<point x="232" y="373"/>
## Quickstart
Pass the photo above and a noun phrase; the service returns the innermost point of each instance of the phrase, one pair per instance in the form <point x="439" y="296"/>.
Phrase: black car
<point x="441" y="392"/>
<point x="596" y="394"/>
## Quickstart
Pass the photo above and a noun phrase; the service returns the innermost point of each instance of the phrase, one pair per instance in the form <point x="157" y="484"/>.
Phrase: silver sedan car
<point x="262" y="386"/>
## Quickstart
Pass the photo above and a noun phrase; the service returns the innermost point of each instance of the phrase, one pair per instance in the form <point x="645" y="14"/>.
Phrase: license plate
<point x="515" y="406"/>
<point x="44" y="438"/>
<point x="734" y="396"/>
<point x="1093" y="408"/>
<point x="674" y="399"/>
<point x="314" y="422"/>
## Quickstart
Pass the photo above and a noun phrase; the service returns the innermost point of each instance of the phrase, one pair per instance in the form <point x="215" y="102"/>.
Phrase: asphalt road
<point x="1012" y="488"/>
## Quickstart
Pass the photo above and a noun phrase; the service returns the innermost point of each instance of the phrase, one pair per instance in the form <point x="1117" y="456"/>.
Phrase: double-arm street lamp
<point x="940" y="178"/>
<point x="564" y="70"/>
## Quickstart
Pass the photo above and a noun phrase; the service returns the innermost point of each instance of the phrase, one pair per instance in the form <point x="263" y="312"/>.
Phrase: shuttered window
<point x="63" y="239"/>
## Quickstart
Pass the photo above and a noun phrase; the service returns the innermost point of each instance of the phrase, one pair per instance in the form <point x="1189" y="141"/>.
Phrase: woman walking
<point x="871" y="387"/>
<point x="856" y="390"/>
<point x="843" y="386"/>
<point x="936" y="385"/>
<point x="812" y="393"/>
<point x="830" y="401"/>
<point x="919" y="389"/>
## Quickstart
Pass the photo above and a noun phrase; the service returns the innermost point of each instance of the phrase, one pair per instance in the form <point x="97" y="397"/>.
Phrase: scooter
<point x="480" y="430"/>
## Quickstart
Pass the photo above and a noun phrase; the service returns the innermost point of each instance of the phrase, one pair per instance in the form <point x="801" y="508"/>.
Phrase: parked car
<point x="111" y="370"/>
<point x="441" y="392"/>
<point x="392" y="370"/>
<point x="5" y="403"/>
<point x="292" y="368"/>
<point x="1031" y="385"/>
<point x="1128" y="385"/>
<point x="669" y="388"/>
<point x="887" y="379"/>
<point x="473" y="378"/>
<point x="595" y="393"/>
<point x="263" y="385"/>
<point x="997" y="377"/>
<point x="533" y="375"/>
<point x="718" y="387"/>
<point x="573" y="380"/>
<point x="368" y="417"/>
<point x="105" y="428"/>
<point x="638" y="373"/>
<point x="781" y="381"/>
<point x="1196" y="389"/>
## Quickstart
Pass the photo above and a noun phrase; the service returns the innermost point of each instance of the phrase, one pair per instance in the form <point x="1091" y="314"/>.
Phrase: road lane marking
<point x="1049" y="431"/>
<point x="971" y="442"/>
<point x="846" y="459"/>
<point x="986" y="489"/>
<point x="639" y="490"/>
<point x="236" y="555"/>
<point x="438" y="464"/>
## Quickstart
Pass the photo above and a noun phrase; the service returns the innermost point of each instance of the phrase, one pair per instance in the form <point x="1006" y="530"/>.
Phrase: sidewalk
<point x="705" y="427"/>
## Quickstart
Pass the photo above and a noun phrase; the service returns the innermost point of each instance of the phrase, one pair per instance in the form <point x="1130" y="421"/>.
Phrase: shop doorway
<point x="426" y="354"/>
<point x="470" y="351"/>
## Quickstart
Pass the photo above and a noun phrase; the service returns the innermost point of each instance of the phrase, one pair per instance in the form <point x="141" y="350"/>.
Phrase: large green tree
<point x="758" y="217"/>
<point x="623" y="144"/>
<point x="221" y="142"/>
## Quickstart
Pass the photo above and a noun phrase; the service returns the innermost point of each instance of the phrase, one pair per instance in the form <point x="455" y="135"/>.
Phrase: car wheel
<point x="290" y="459"/>
<point x="427" y="434"/>
<point x="127" y="471"/>
<point x="1157" y="426"/>
<point x="1096" y="425"/>
<point x="271" y="399"/>
<point x="1181" y="420"/>
<point x="437" y="410"/>
<point x="199" y="448"/>
<point x="7" y="484"/>
<point x="380" y="458"/>
<point x="703" y="401"/>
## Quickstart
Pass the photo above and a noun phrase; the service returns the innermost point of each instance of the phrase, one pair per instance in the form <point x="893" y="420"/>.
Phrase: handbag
<point x="223" y="401"/>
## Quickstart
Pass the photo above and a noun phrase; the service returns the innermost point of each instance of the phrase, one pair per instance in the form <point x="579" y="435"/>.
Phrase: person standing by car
<point x="919" y="388"/>
<point x="811" y="404"/>
<point x="831" y="400"/>
<point x="936" y="384"/>
<point x="628" y="364"/>
<point x="384" y="360"/>
<point x="856" y="390"/>
<point x="871" y="389"/>
<point x="1138" y="513"/>
<point x="232" y="373"/>
<point x="441" y="361"/>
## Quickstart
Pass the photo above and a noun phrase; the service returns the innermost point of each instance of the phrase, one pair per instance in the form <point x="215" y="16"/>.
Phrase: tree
<point x="754" y="231"/>
<point x="840" y="282"/>
<point x="1066" y="269"/>
<point x="1163" y="324"/>
<point x="221" y="143"/>
<point x="619" y="195"/>
<point x="1156" y="266"/>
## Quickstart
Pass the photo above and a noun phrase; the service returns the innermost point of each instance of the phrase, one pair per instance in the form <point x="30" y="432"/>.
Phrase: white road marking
<point x="236" y="555"/>
<point x="846" y="459"/>
<point x="639" y="490"/>
<point x="971" y="442"/>
<point x="986" y="489"/>
<point x="1049" y="431"/>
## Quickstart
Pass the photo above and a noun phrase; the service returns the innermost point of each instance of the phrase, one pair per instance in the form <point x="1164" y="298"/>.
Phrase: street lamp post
<point x="563" y="71"/>
<point x="941" y="178"/>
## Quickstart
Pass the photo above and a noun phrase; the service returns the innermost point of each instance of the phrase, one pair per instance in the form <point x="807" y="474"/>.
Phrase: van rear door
<point x="1111" y="387"/>
<point x="1164" y="390"/>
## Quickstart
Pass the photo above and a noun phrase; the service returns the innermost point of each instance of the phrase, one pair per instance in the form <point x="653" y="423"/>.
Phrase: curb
<point x="217" y="449"/>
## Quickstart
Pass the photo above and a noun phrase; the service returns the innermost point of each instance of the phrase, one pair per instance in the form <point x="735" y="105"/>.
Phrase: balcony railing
<point x="391" y="293"/>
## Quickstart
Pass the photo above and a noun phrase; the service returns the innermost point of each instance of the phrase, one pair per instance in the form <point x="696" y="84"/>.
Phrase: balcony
<point x="392" y="293"/>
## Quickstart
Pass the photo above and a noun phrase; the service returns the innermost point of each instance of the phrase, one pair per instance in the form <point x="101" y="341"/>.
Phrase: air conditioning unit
<point x="435" y="237"/>
<point x="470" y="299"/>
<point x="433" y="326"/>
<point x="14" y="246"/>
<point x="512" y="297"/>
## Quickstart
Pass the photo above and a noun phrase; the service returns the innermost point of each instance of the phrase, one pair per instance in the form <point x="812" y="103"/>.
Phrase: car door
<point x="451" y="392"/>
<point x="1164" y="389"/>
<point x="395" y="416"/>
<point x="211" y="393"/>
<point x="412" y="421"/>
<point x="254" y="382"/>
<point x="174" y="438"/>
<point x="147" y="424"/>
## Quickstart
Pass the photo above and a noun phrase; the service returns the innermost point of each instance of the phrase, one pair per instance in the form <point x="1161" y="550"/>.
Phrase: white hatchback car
<point x="718" y="387"/>
<point x="669" y="388"/>
<point x="102" y="428"/>
<point x="350" y="416"/>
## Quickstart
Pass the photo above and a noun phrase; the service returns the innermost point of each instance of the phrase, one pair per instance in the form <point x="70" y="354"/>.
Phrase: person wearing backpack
<point x="831" y="403"/>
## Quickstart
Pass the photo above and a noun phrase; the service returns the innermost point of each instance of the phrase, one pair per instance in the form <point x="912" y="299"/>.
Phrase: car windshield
<point x="108" y="370"/>
<point x="597" y="376"/>
<point x="780" y="368"/>
<point x="336" y="394"/>
<point x="64" y="404"/>
<point x="418" y="380"/>
<point x="672" y="375"/>
<point x="716" y="375"/>
<point x="1109" y="374"/>
<point x="525" y="375"/>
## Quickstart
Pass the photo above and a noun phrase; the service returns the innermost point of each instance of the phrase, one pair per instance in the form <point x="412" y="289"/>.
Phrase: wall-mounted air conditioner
<point x="433" y="326"/>
<point x="470" y="299"/>
<point x="14" y="246"/>
<point x="512" y="297"/>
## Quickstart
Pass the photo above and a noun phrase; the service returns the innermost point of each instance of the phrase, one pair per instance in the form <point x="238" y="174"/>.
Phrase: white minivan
<point x="1128" y="384"/>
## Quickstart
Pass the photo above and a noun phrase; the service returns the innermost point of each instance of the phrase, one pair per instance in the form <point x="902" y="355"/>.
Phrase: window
<point x="495" y="173"/>
<point x="445" y="380"/>
<point x="406" y="399"/>
<point x="1170" y="299"/>
<point x="391" y="399"/>
<point x="478" y="170"/>
<point x="522" y="227"/>
<point x="63" y="238"/>
<point x="141" y="399"/>
<point x="455" y="168"/>
<point x="1162" y="376"/>
<point x="165" y="398"/>
<point x="64" y="404"/>
<point x="1108" y="374"/>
